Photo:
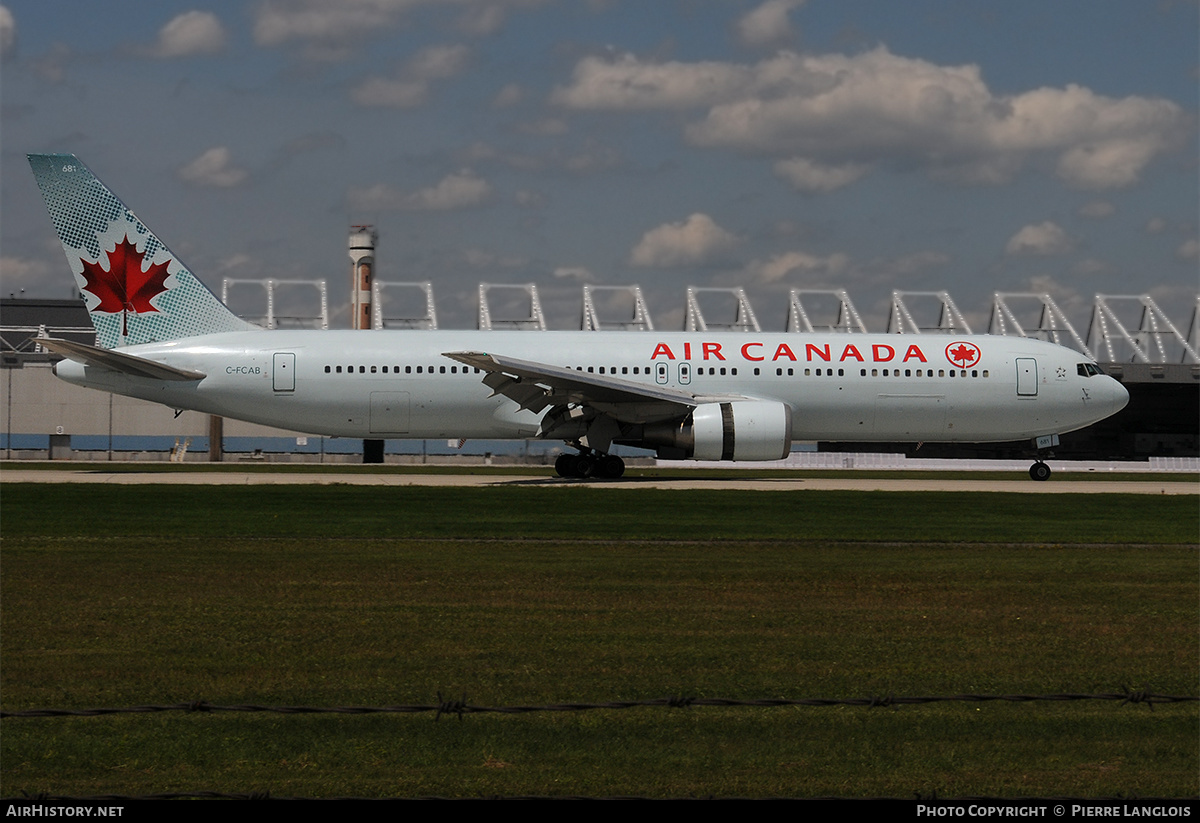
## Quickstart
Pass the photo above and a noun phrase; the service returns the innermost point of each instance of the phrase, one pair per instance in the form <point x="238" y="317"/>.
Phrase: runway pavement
<point x="1096" y="485"/>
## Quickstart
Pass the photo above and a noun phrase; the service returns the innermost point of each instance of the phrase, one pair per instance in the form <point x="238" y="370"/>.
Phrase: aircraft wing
<point x="118" y="361"/>
<point x="536" y="386"/>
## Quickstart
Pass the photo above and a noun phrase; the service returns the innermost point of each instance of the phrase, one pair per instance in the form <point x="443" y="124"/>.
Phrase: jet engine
<point x="738" y="430"/>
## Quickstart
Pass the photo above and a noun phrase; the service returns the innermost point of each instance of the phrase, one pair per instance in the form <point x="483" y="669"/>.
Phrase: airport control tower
<point x="362" y="261"/>
<point x="362" y="258"/>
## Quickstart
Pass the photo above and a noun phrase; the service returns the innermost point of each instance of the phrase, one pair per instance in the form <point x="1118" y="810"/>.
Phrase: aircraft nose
<point x="1120" y="396"/>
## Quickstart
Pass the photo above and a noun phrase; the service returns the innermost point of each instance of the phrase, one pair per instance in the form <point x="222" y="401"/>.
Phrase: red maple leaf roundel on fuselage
<point x="963" y="354"/>
<point x="125" y="287"/>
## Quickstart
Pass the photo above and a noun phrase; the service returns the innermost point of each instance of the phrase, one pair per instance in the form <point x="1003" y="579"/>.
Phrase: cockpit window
<point x="1087" y="369"/>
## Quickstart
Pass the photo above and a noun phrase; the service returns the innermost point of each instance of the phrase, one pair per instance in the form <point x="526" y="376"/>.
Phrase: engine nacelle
<point x="738" y="430"/>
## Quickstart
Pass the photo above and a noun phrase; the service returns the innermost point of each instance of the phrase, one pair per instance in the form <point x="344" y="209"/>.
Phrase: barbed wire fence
<point x="461" y="707"/>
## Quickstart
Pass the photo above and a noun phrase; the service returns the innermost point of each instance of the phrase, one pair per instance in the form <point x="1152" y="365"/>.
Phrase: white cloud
<point x="810" y="176"/>
<point x="510" y="95"/>
<point x="213" y="169"/>
<point x="545" y="127"/>
<point x="1156" y="225"/>
<point x="1098" y="209"/>
<point x="8" y="32"/>
<point x="1190" y="250"/>
<point x="461" y="190"/>
<point x="876" y="108"/>
<point x="1044" y="239"/>
<point x="439" y="62"/>
<point x="18" y="273"/>
<point x="692" y="242"/>
<point x="335" y="31"/>
<point x="579" y="273"/>
<point x="189" y="34"/>
<point x="768" y="24"/>
<point x="797" y="263"/>
<point x="394" y="93"/>
<point x="1091" y="267"/>
<point x="529" y="199"/>
<point x="410" y="87"/>
<point x="629" y="83"/>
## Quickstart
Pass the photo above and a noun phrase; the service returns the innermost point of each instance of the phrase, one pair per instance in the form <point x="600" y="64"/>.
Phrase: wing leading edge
<point x="585" y="408"/>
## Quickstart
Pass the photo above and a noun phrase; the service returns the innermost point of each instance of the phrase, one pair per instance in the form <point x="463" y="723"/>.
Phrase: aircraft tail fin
<point x="136" y="289"/>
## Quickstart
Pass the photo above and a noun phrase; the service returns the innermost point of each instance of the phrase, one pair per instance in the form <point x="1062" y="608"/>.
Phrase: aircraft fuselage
<point x="840" y="387"/>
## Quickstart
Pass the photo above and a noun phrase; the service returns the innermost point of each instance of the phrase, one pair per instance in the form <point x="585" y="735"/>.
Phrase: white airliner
<point x="162" y="336"/>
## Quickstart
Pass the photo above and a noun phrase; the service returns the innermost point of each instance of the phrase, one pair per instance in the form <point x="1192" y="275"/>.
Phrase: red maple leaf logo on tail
<point x="125" y="287"/>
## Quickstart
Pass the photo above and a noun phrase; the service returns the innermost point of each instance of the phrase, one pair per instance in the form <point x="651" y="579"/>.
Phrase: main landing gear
<point x="589" y="464"/>
<point x="1039" y="471"/>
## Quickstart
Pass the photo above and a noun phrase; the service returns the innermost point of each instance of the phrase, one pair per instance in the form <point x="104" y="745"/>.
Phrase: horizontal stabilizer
<point x="118" y="361"/>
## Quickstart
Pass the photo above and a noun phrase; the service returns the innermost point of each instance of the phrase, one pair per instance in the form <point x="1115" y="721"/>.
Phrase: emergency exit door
<point x="283" y="375"/>
<point x="1027" y="377"/>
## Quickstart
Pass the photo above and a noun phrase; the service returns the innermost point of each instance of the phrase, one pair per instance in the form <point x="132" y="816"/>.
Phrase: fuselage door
<point x="283" y="375"/>
<point x="661" y="373"/>
<point x="1027" y="377"/>
<point x="685" y="373"/>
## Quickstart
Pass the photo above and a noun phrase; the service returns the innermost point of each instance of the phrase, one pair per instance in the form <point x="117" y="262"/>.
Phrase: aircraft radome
<point x="162" y="336"/>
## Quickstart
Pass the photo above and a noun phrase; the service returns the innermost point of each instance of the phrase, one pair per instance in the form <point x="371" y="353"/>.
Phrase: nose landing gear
<point x="1044" y="446"/>
<point x="1039" y="471"/>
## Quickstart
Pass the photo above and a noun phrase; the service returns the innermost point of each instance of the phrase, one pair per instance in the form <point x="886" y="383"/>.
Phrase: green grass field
<point x="347" y="595"/>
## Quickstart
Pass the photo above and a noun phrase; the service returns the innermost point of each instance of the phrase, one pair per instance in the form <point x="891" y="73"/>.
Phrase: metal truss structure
<point x="1052" y="325"/>
<point x="846" y="318"/>
<point x="949" y="319"/>
<point x="536" y="321"/>
<point x="640" y="318"/>
<point x="1121" y="328"/>
<point x="428" y="320"/>
<point x="271" y="319"/>
<point x="1155" y="339"/>
<point x="743" y="318"/>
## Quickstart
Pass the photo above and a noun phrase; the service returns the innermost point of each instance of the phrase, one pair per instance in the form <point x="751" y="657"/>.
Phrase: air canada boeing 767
<point x="162" y="336"/>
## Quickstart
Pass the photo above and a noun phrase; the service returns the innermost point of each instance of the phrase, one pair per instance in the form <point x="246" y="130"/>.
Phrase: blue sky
<point x="857" y="144"/>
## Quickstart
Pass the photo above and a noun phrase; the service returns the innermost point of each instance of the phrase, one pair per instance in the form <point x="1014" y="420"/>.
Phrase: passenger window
<point x="327" y="370"/>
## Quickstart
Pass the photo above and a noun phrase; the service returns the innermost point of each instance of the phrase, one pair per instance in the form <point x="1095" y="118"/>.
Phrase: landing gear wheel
<point x="611" y="466"/>
<point x="585" y="465"/>
<point x="566" y="465"/>
<point x="1039" y="471"/>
